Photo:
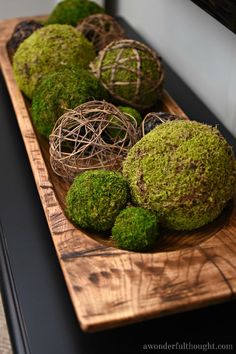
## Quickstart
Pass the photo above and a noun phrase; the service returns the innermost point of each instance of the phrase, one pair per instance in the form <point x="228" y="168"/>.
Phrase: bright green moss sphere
<point x="183" y="170"/>
<point x="62" y="90"/>
<point x="48" y="50"/>
<point x="95" y="199"/>
<point x="72" y="11"/>
<point x="135" y="229"/>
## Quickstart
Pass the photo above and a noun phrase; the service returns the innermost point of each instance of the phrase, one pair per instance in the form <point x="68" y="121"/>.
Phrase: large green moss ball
<point x="62" y="90"/>
<point x="135" y="229"/>
<point x="95" y="199"/>
<point x="183" y="170"/>
<point x="47" y="50"/>
<point x="131" y="72"/>
<point x="72" y="11"/>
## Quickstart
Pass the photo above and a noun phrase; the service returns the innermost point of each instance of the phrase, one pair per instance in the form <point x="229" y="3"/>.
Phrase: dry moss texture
<point x="185" y="171"/>
<point x="47" y="50"/>
<point x="95" y="199"/>
<point x="60" y="91"/>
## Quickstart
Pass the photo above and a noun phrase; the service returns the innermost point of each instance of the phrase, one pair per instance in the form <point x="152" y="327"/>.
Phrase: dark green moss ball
<point x="72" y="11"/>
<point x="48" y="50"/>
<point x="95" y="199"/>
<point x="135" y="229"/>
<point x="62" y="90"/>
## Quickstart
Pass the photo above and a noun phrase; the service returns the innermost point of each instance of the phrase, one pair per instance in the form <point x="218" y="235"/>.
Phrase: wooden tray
<point x="111" y="287"/>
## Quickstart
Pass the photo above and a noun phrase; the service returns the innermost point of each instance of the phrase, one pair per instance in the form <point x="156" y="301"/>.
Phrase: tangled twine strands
<point x="121" y="63"/>
<point x="100" y="29"/>
<point x="94" y="135"/>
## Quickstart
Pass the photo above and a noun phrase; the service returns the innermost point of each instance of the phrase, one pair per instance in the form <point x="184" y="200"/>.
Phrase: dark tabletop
<point x="38" y="307"/>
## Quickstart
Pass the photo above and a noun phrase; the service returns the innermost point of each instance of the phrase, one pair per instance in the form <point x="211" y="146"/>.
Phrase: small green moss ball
<point x="62" y="90"/>
<point x="131" y="72"/>
<point x="72" y="11"/>
<point x="183" y="170"/>
<point x="116" y="129"/>
<point x="95" y="199"/>
<point x="47" y="50"/>
<point x="131" y="113"/>
<point x="135" y="229"/>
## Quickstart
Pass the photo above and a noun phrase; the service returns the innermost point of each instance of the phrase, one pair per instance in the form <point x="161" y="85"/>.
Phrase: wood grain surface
<point x="111" y="287"/>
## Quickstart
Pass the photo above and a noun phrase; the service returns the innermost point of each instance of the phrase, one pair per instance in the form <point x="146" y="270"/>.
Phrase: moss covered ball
<point x="183" y="170"/>
<point x="65" y="89"/>
<point x="22" y="31"/>
<point x="95" y="199"/>
<point x="135" y="229"/>
<point x="72" y="11"/>
<point x="47" y="50"/>
<point x="116" y="130"/>
<point x="131" y="72"/>
<point x="131" y="113"/>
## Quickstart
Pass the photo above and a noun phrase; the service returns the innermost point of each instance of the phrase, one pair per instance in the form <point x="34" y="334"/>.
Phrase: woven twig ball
<point x="22" y="31"/>
<point x="86" y="138"/>
<point x="153" y="119"/>
<point x="100" y="29"/>
<point x="131" y="72"/>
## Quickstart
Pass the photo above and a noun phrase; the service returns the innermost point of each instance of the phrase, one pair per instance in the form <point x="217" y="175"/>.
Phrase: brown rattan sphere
<point x="94" y="135"/>
<point x="153" y="119"/>
<point x="22" y="31"/>
<point x="100" y="29"/>
<point x="131" y="72"/>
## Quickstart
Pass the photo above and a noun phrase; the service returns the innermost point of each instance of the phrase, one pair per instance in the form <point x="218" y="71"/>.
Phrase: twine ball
<point x="22" y="31"/>
<point x="153" y="119"/>
<point x="81" y="139"/>
<point x="131" y="72"/>
<point x="100" y="29"/>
